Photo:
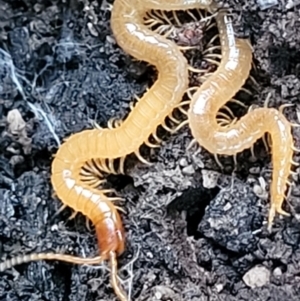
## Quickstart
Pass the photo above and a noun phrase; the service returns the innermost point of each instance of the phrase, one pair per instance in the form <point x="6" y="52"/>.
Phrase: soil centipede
<point x="231" y="74"/>
<point x="68" y="178"/>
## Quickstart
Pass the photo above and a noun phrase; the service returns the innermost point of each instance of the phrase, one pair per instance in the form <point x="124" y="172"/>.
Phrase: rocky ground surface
<point x="194" y="231"/>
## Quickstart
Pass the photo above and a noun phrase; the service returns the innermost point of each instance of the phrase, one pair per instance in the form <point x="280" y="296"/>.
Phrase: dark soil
<point x="194" y="231"/>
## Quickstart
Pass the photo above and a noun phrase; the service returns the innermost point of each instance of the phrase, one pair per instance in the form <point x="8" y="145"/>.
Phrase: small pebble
<point x="260" y="192"/>
<point x="188" y="170"/>
<point x="277" y="272"/>
<point x="257" y="277"/>
<point x="254" y="170"/>
<point x="210" y="178"/>
<point x="265" y="4"/>
<point x="183" y="162"/>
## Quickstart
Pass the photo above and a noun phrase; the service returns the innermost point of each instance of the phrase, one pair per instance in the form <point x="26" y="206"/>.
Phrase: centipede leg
<point x="176" y="18"/>
<point x="185" y="48"/>
<point x="238" y="102"/>
<point x="275" y="208"/>
<point x="62" y="208"/>
<point x="173" y="119"/>
<point x="96" y="125"/>
<point x="150" y="144"/>
<point x="88" y="223"/>
<point x="294" y="148"/>
<point x="196" y="70"/>
<point x="218" y="161"/>
<point x="182" y="124"/>
<point x="139" y="156"/>
<point x="167" y="128"/>
<point x="192" y="143"/>
<point x="114" y="278"/>
<point x="73" y="215"/>
<point x="158" y="140"/>
<point x="121" y="165"/>
<point x="246" y="91"/>
<point x="210" y="49"/>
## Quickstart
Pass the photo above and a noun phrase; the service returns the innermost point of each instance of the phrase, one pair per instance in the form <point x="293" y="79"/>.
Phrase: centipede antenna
<point x="114" y="278"/>
<point x="9" y="263"/>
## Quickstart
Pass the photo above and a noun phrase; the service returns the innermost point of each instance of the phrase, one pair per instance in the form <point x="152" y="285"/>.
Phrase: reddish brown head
<point x="110" y="233"/>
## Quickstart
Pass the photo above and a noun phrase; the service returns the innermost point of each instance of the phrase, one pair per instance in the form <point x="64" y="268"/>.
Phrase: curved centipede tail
<point x="114" y="279"/>
<point x="9" y="263"/>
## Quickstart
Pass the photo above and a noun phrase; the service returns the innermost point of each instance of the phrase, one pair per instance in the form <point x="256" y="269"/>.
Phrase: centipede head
<point x="110" y="233"/>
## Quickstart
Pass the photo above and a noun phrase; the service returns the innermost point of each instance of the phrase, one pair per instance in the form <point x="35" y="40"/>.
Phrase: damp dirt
<point x="195" y="231"/>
